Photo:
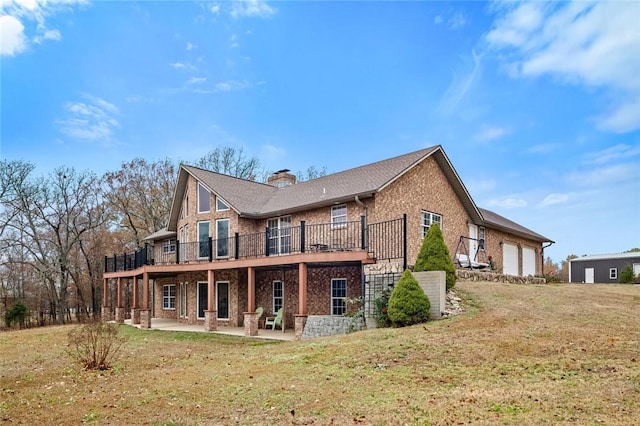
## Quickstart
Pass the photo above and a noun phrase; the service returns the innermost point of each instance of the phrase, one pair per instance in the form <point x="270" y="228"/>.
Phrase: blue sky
<point x="536" y="104"/>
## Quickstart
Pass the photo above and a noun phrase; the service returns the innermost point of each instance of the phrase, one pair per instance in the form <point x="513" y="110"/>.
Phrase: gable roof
<point x="494" y="220"/>
<point x="611" y="256"/>
<point x="259" y="200"/>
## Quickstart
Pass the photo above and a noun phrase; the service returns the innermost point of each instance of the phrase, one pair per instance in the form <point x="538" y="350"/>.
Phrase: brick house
<point x="232" y="245"/>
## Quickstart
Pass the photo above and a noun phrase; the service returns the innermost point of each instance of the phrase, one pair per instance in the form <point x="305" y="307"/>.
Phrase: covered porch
<point x="247" y="283"/>
<point x="168" y="324"/>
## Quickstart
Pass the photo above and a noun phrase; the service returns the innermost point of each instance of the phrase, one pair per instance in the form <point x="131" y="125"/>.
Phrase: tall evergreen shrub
<point x="434" y="256"/>
<point x="408" y="303"/>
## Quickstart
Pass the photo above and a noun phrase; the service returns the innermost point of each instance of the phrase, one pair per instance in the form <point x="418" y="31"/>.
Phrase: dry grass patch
<point x="520" y="355"/>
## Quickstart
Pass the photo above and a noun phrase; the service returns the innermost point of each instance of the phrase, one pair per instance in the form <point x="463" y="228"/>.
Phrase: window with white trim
<point x="221" y="205"/>
<point x="613" y="273"/>
<point x="338" y="295"/>
<point x="482" y="236"/>
<point x="429" y="219"/>
<point x="278" y="295"/>
<point x="204" y="199"/>
<point x="169" y="297"/>
<point x="339" y="216"/>
<point x="169" y="246"/>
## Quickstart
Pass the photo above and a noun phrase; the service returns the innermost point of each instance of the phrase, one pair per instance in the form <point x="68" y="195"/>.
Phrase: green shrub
<point x="434" y="256"/>
<point x="627" y="276"/>
<point x="95" y="345"/>
<point x="16" y="314"/>
<point x="408" y="304"/>
<point x="381" y="309"/>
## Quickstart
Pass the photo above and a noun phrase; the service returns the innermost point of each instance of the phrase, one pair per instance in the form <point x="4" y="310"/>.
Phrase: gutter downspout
<point x="542" y="254"/>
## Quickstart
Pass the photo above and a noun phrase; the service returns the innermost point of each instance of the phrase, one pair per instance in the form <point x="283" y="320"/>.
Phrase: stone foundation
<point x="210" y="320"/>
<point x="106" y="314"/>
<point x="469" y="275"/>
<point x="145" y="318"/>
<point x="250" y="323"/>
<point x="135" y="316"/>
<point x="327" y="325"/>
<point x="300" y="323"/>
<point x="120" y="315"/>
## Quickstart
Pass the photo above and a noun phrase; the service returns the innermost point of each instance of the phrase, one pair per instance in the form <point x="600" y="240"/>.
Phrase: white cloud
<point x="215" y="9"/>
<point x="579" y="42"/>
<point x="273" y="153"/>
<point x="230" y="85"/>
<point x="251" y="8"/>
<point x="182" y="66"/>
<point x="12" y="38"/>
<point x="617" y="152"/>
<point x="491" y="133"/>
<point x="508" y="203"/>
<point x="456" y="21"/>
<point x="91" y="120"/>
<point x="438" y="20"/>
<point x="460" y="86"/>
<point x="197" y="80"/>
<point x="190" y="46"/>
<point x="234" y="41"/>
<point x="552" y="199"/>
<point x="543" y="148"/>
<point x="604" y="177"/>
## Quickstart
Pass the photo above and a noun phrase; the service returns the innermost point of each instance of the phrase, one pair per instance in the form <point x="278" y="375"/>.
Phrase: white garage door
<point x="528" y="261"/>
<point x="510" y="259"/>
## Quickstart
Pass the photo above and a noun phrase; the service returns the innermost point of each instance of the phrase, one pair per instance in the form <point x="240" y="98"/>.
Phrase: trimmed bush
<point x="434" y="256"/>
<point x="626" y="275"/>
<point x="408" y="303"/>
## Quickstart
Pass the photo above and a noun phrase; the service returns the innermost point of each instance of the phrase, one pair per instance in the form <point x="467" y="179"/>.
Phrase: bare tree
<point x="55" y="214"/>
<point x="312" y="173"/>
<point x="139" y="196"/>
<point x="230" y="161"/>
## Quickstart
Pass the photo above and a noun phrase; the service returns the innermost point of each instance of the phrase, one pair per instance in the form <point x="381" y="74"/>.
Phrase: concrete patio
<point x="173" y="325"/>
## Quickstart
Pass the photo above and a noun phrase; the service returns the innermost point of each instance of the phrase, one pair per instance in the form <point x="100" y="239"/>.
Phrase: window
<point x="169" y="246"/>
<point x="338" y="216"/>
<point x="429" y="219"/>
<point x="278" y="295"/>
<point x="482" y="236"/>
<point x="221" y="206"/>
<point x="222" y="238"/>
<point x="204" y="199"/>
<point x="203" y="239"/>
<point x="169" y="297"/>
<point x="338" y="294"/>
<point x="279" y="235"/>
<point x="613" y="273"/>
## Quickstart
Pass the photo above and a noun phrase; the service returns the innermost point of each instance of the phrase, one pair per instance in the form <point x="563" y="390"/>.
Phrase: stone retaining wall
<point x="327" y="325"/>
<point x="468" y="275"/>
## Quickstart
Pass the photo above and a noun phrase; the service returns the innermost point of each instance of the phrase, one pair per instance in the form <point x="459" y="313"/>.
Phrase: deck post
<point x="119" y="305"/>
<point x="145" y="314"/>
<point x="106" y="308"/>
<point x="211" y="315"/>
<point x="303" y="236"/>
<point x="135" y="309"/>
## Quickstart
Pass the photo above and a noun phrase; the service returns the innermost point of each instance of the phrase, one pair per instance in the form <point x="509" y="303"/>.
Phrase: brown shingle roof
<point x="259" y="200"/>
<point x="494" y="220"/>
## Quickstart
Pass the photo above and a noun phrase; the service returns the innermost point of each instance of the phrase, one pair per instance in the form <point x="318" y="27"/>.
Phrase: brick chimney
<point x="281" y="178"/>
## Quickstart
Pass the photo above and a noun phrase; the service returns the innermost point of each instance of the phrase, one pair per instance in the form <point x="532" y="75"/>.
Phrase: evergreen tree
<point x="434" y="256"/>
<point x="408" y="303"/>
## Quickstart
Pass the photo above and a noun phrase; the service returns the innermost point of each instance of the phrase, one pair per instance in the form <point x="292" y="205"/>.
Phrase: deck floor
<point x="173" y="325"/>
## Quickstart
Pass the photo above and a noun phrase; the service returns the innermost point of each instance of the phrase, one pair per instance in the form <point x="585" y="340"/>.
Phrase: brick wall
<point x="425" y="187"/>
<point x="493" y="248"/>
